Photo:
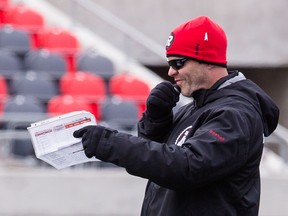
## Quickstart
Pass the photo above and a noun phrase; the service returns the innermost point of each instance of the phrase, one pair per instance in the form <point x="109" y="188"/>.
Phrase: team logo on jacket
<point x="182" y="136"/>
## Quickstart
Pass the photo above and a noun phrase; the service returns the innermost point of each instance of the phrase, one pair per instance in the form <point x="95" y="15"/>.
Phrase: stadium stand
<point x="272" y="204"/>
<point x="46" y="73"/>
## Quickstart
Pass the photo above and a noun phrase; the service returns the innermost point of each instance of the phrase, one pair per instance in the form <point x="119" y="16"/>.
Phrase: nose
<point x="172" y="72"/>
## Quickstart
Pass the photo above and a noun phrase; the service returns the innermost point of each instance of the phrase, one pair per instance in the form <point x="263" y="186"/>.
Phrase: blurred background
<point x="104" y="56"/>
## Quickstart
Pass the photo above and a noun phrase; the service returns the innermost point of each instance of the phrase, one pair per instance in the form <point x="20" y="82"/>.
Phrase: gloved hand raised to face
<point x="91" y="137"/>
<point x="161" y="100"/>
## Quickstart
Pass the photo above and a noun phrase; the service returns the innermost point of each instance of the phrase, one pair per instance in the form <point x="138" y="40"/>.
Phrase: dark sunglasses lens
<point x="177" y="63"/>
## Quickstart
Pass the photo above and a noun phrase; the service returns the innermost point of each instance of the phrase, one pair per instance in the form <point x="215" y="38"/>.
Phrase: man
<point x="203" y="160"/>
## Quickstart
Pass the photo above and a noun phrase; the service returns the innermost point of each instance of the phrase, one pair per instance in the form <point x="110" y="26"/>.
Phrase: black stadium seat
<point x="44" y="61"/>
<point x="94" y="62"/>
<point x="10" y="63"/>
<point x="14" y="40"/>
<point x="120" y="114"/>
<point x="33" y="84"/>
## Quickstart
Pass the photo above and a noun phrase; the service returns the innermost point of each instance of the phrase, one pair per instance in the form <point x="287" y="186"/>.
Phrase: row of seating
<point x="82" y="84"/>
<point x="44" y="72"/>
<point x="27" y="27"/>
<point x="123" y="114"/>
<point x="53" y="63"/>
<point x="23" y="29"/>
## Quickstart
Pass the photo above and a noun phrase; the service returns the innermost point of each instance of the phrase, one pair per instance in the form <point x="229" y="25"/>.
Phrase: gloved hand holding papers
<point x="53" y="139"/>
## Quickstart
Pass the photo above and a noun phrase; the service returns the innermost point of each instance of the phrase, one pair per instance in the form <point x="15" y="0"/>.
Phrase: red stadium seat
<point x="3" y="87"/>
<point x="84" y="85"/>
<point x="4" y="4"/>
<point x="130" y="87"/>
<point x="21" y="16"/>
<point x="126" y="85"/>
<point x="3" y="92"/>
<point x="62" y="104"/>
<point x="59" y="40"/>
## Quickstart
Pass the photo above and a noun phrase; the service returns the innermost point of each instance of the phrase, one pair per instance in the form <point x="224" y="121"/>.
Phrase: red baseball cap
<point x="200" y="39"/>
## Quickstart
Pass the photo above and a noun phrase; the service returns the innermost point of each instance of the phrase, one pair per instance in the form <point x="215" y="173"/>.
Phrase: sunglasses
<point x="177" y="64"/>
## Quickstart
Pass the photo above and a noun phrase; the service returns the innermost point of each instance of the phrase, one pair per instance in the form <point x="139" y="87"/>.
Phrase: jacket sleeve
<point x="214" y="150"/>
<point x="154" y="130"/>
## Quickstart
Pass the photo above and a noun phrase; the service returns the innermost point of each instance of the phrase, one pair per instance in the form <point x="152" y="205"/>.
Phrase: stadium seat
<point x="94" y="62"/>
<point x="62" y="104"/>
<point x="22" y="110"/>
<point x="10" y="64"/>
<point x="32" y="84"/>
<point x="3" y="88"/>
<point x="4" y="4"/>
<point x="18" y="113"/>
<point x="14" y="40"/>
<point x="59" y="40"/>
<point x="23" y="104"/>
<point x="21" y="16"/>
<point x="45" y="61"/>
<point x="130" y="87"/>
<point x="3" y="93"/>
<point x="120" y="114"/>
<point x="22" y="148"/>
<point x="84" y="85"/>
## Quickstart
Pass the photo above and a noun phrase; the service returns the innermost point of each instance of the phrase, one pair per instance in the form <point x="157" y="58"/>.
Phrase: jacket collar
<point x="199" y="96"/>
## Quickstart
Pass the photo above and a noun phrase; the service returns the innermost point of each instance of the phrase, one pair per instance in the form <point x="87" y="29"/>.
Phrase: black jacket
<point x="205" y="159"/>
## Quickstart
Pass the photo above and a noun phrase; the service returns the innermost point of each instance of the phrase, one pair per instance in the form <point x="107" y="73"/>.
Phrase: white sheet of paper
<point x="53" y="139"/>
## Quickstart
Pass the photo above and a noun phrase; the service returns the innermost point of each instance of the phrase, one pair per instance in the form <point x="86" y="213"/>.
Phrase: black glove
<point x="161" y="100"/>
<point x="91" y="136"/>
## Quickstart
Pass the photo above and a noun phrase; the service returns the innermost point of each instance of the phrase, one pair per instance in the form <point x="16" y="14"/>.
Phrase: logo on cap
<point x="170" y="40"/>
